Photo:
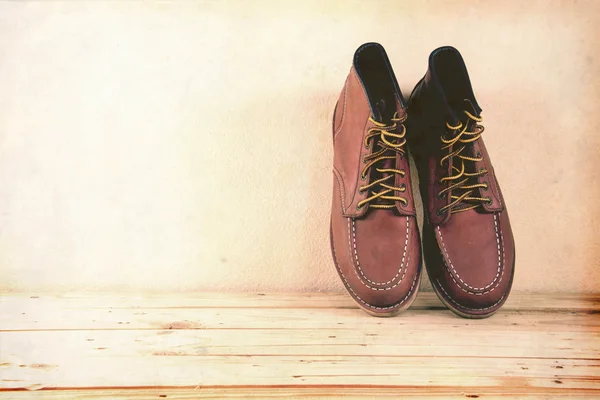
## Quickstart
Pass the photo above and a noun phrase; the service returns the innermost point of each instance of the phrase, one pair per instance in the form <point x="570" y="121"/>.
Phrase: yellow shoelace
<point x="389" y="144"/>
<point x="462" y="192"/>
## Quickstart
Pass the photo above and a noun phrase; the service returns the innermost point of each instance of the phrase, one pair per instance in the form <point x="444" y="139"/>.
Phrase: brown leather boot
<point x="468" y="243"/>
<point x="374" y="236"/>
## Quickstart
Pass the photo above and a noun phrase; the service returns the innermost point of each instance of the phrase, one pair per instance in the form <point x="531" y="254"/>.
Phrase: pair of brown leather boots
<point x="468" y="244"/>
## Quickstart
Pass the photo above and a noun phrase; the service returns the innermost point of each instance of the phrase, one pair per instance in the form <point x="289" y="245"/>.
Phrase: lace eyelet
<point x="358" y="207"/>
<point x="478" y="155"/>
<point x="441" y="196"/>
<point x="364" y="159"/>
<point x="489" y="201"/>
<point x="363" y="177"/>
<point x="367" y="146"/>
<point x="486" y="186"/>
<point x="439" y="213"/>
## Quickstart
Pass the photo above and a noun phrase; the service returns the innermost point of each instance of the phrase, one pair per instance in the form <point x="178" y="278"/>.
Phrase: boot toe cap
<point x="381" y="271"/>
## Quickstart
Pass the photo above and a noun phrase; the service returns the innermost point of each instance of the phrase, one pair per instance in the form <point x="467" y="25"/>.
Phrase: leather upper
<point x="469" y="254"/>
<point x="377" y="251"/>
<point x="351" y="124"/>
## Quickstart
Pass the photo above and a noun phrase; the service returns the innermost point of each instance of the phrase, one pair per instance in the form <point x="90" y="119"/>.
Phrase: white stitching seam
<point x="467" y="308"/>
<point x="356" y="187"/>
<point x="493" y="179"/>
<point x="503" y="252"/>
<point x="499" y="273"/>
<point x="359" y="298"/>
<point x="358" y="262"/>
<point x="341" y="185"/>
<point x="490" y="171"/>
<point x="337" y="131"/>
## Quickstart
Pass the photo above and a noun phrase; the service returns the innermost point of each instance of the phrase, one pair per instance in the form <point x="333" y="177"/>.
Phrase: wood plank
<point x="158" y="300"/>
<point x="70" y="370"/>
<point x="218" y="311"/>
<point x="304" y="392"/>
<point x="60" y="315"/>
<point x="367" y="341"/>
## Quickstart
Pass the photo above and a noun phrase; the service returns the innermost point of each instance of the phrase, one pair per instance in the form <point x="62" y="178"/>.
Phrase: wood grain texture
<point x="292" y="345"/>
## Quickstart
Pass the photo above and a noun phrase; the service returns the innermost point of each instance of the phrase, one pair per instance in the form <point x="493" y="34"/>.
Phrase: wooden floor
<point x="223" y="345"/>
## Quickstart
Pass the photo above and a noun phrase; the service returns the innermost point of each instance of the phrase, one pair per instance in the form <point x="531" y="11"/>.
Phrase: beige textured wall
<point x="187" y="145"/>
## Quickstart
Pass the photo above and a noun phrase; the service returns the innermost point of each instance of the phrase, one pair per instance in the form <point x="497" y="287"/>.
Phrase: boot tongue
<point x="468" y="106"/>
<point x="382" y="111"/>
<point x="459" y="108"/>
